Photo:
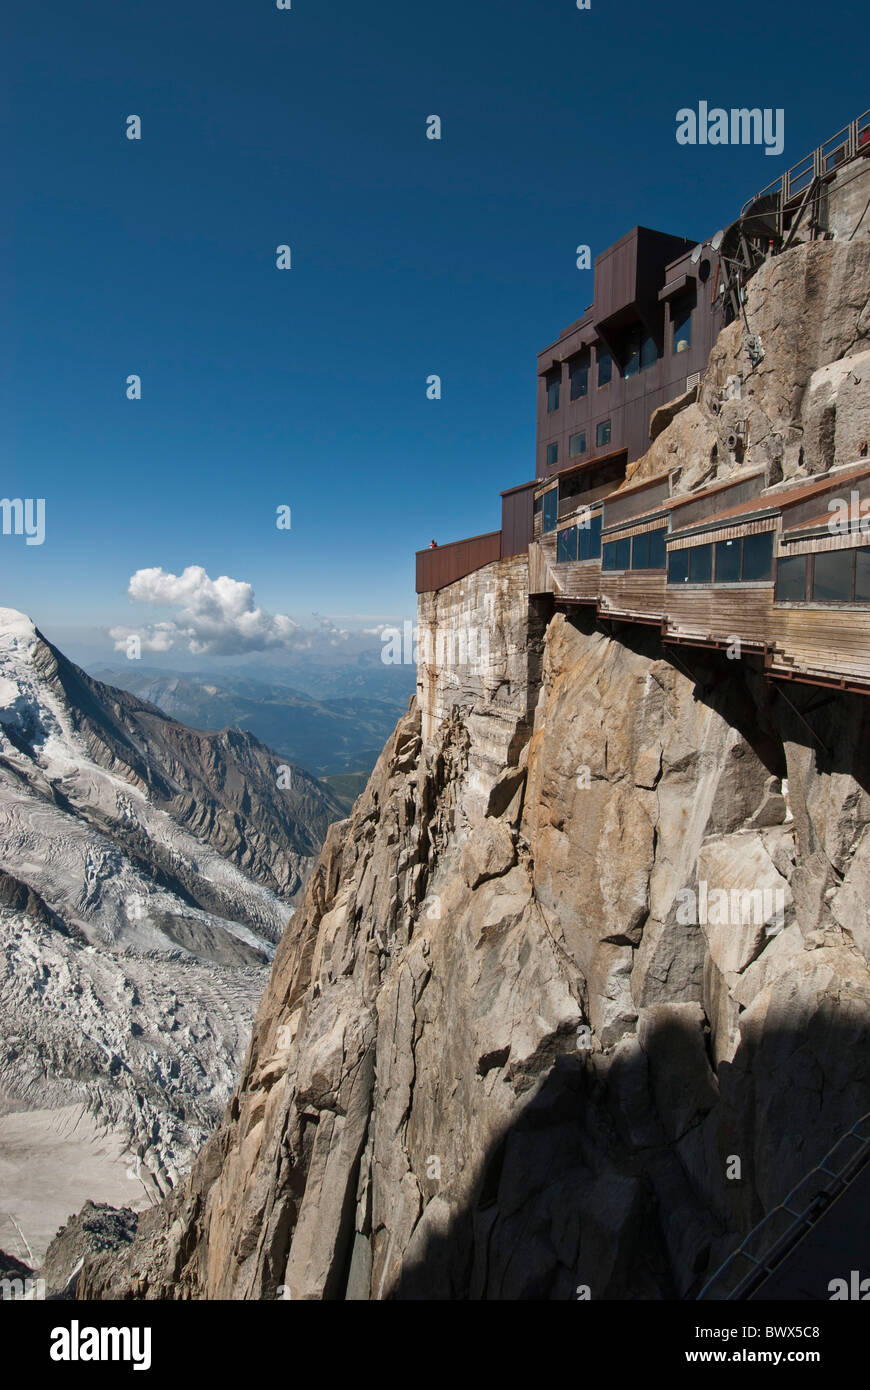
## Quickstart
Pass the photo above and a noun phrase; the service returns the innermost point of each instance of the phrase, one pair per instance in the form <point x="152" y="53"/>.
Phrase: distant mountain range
<point x="336" y="736"/>
<point x="146" y="872"/>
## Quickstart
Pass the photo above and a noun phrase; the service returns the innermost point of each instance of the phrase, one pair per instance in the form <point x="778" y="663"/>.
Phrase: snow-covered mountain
<point x="146" y="871"/>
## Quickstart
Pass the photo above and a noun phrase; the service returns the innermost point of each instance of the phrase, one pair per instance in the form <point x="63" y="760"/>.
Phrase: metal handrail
<point x="765" y="1262"/>
<point x="788" y="185"/>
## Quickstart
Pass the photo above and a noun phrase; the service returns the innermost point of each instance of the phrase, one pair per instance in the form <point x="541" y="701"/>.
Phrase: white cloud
<point x="330" y="631"/>
<point x="159" y="637"/>
<point x="213" y="616"/>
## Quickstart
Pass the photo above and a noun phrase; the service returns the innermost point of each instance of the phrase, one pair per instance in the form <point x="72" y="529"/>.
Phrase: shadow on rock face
<point x="636" y="1181"/>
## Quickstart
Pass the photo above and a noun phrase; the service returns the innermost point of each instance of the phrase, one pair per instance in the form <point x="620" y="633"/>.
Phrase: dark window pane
<point x="631" y="361"/>
<point x="552" y="396"/>
<point x="682" y="320"/>
<point x="832" y="581"/>
<point x="649" y="353"/>
<point x="552" y="454"/>
<point x="791" y="579"/>
<point x="595" y="537"/>
<point x="577" y="444"/>
<point x="757" y="557"/>
<point x="609" y="560"/>
<point x="551" y="507"/>
<point x="862" y="574"/>
<point x="657" y="556"/>
<point x="602" y="432"/>
<point x="727" y="562"/>
<point x="605" y="368"/>
<point x="640" y="551"/>
<point x="678" y="566"/>
<point x="623" y="554"/>
<point x="570" y="486"/>
<point x="567" y="544"/>
<point x="701" y="564"/>
<point x="579" y="378"/>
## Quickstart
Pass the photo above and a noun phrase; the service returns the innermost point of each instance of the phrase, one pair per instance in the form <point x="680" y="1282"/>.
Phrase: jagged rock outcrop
<point x="95" y="1229"/>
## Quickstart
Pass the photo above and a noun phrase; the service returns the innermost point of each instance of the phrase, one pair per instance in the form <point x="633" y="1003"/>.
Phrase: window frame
<point x="789" y="560"/>
<point x="578" y="368"/>
<point x="686" y="304"/>
<point x="829" y="555"/>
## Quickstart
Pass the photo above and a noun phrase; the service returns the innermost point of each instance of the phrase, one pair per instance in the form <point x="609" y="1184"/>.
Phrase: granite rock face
<point x="501" y="1056"/>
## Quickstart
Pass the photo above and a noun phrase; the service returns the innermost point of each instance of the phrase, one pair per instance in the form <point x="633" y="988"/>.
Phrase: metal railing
<point x="785" y="1224"/>
<point x="852" y="140"/>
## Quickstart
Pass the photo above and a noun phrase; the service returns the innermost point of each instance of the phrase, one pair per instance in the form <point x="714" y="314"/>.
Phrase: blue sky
<point x="307" y="387"/>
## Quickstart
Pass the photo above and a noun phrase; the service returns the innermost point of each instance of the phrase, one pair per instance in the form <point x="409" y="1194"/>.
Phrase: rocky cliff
<point x="503" y="1052"/>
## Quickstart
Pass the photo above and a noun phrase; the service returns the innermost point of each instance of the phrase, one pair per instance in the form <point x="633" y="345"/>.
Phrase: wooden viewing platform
<point x="786" y="570"/>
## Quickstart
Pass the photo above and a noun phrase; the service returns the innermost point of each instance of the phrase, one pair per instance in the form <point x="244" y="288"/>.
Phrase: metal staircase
<point x="769" y="1244"/>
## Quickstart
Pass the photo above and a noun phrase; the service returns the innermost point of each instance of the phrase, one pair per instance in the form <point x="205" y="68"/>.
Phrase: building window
<point x="657" y="558"/>
<point x="832" y="577"/>
<point x="700" y="564"/>
<point x="602" y="432"/>
<point x="617" y="555"/>
<point x="757" y="558"/>
<point x="552" y="454"/>
<point x="728" y="562"/>
<point x="791" y="579"/>
<point x="862" y="574"/>
<point x="640" y="352"/>
<point x="678" y="567"/>
<point x="692" y="566"/>
<point x="649" y="352"/>
<point x="553" y="384"/>
<point x="605" y="367"/>
<point x="577" y="444"/>
<point x="551" y="509"/>
<point x="579" y="373"/>
<point x="589" y="539"/>
<point x="640" y="551"/>
<point x="681" y="316"/>
<point x="566" y="544"/>
<point x="571" y="486"/>
<point x="648" y="550"/>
